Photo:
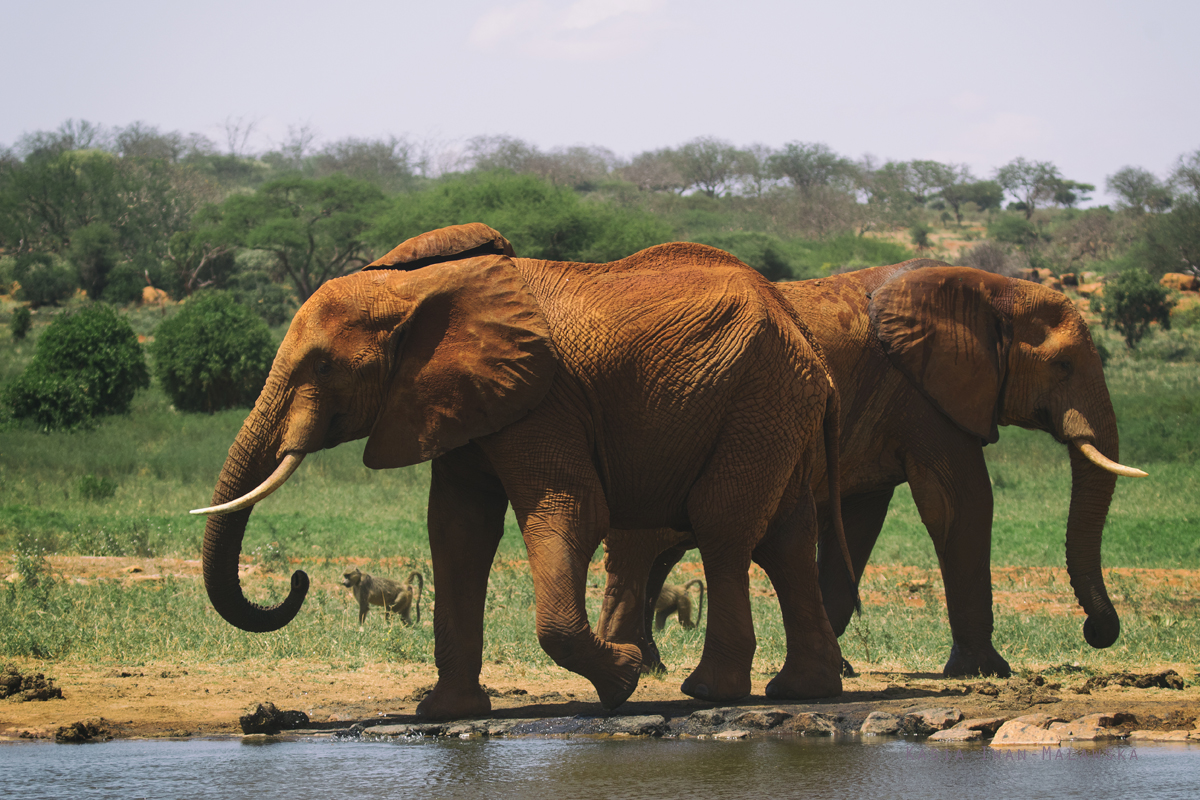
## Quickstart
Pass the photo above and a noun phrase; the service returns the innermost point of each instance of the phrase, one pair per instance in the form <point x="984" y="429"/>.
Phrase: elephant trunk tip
<point x="256" y="619"/>
<point x="1101" y="632"/>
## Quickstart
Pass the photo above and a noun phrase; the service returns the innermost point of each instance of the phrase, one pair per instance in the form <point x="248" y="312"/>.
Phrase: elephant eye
<point x="1065" y="368"/>
<point x="323" y="368"/>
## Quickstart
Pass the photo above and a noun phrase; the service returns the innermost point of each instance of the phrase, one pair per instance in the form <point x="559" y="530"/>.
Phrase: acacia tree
<point x="710" y="165"/>
<point x="313" y="228"/>
<point x="1030" y="182"/>
<point x="811" y="164"/>
<point x="1139" y="189"/>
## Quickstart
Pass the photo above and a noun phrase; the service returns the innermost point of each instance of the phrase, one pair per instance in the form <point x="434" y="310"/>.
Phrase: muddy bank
<point x="164" y="700"/>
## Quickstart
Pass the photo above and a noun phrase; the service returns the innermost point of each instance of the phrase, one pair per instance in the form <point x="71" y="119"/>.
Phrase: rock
<point x="1091" y="728"/>
<point x="463" y="730"/>
<point x="957" y="734"/>
<point x="266" y="718"/>
<point x="930" y="720"/>
<point x="812" y="724"/>
<point x="1181" y="281"/>
<point x="880" y="723"/>
<point x="1030" y="729"/>
<point x="714" y="717"/>
<point x="1090" y="289"/>
<point x="79" y="732"/>
<point x="650" y="725"/>
<point x="985" y="688"/>
<point x="1052" y="282"/>
<point x="152" y="296"/>
<point x="987" y="726"/>
<point x="732" y="735"/>
<point x="763" y="719"/>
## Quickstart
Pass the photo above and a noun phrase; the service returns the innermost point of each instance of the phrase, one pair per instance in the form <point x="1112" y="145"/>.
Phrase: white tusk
<point x="277" y="479"/>
<point x="1100" y="460"/>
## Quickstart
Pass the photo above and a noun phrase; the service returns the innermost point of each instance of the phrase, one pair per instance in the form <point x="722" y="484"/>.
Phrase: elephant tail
<point x="832" y="432"/>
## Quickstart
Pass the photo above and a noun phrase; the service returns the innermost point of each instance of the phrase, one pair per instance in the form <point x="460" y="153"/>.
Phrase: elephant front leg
<point x="814" y="661"/>
<point x="956" y="508"/>
<point x="466" y="522"/>
<point x="560" y="549"/>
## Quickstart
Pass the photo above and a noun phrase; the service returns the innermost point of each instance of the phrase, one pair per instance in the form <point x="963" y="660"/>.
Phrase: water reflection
<point x="587" y="768"/>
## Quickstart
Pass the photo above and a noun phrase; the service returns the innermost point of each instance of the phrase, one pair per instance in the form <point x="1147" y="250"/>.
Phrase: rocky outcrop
<point x="266" y="718"/>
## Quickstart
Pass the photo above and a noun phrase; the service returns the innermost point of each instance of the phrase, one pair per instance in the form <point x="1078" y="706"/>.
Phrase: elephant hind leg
<point x="813" y="665"/>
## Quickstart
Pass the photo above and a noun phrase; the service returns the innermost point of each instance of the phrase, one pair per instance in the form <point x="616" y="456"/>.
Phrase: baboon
<point x="676" y="600"/>
<point x="392" y="595"/>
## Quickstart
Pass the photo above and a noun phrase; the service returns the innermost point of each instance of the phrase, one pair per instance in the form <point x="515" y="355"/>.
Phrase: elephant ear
<point x="445" y="244"/>
<point x="471" y="354"/>
<point x="946" y="329"/>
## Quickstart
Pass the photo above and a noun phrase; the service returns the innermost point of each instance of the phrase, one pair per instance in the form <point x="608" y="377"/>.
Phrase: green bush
<point x="45" y="280"/>
<point x="87" y="364"/>
<point x="214" y="354"/>
<point x="271" y="301"/>
<point x="94" y="253"/>
<point x="1132" y="302"/>
<point x="91" y="487"/>
<point x="1012" y="229"/>
<point x="125" y="284"/>
<point x="20" y="322"/>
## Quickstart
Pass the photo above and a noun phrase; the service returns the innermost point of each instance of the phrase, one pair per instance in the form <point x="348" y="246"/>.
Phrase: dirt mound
<point x="27" y="687"/>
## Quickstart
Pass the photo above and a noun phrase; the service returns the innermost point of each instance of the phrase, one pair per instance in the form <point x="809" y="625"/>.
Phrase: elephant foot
<point x="621" y="676"/>
<point x="806" y="683"/>
<point x="707" y="683"/>
<point x="447" y="703"/>
<point x="972" y="661"/>
<point x="651" y="660"/>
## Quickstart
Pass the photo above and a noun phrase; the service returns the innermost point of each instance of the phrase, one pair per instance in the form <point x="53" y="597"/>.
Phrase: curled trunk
<point x="1091" y="493"/>
<point x="251" y="460"/>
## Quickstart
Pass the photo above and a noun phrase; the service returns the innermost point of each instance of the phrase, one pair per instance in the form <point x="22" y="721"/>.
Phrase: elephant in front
<point x="673" y="388"/>
<point x="930" y="360"/>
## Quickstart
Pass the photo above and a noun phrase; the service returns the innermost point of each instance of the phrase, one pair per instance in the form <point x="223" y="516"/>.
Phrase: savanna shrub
<point x="214" y="354"/>
<point x="45" y="280"/>
<point x="1132" y="302"/>
<point x="87" y="364"/>
<point x="20" y="322"/>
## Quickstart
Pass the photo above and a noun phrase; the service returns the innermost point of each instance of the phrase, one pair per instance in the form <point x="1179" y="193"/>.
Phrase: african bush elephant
<point x="929" y="360"/>
<point x="672" y="388"/>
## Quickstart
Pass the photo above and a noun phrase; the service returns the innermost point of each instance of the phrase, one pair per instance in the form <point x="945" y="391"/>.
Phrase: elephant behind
<point x="930" y="360"/>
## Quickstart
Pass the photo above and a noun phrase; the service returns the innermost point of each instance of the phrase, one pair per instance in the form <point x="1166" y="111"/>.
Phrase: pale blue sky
<point x="1091" y="85"/>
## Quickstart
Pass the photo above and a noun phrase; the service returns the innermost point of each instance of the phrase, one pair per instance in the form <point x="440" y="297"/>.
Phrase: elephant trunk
<point x="1092" y="488"/>
<point x="251" y="460"/>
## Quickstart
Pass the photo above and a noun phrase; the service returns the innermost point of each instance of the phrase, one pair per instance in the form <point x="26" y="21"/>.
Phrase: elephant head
<point x="440" y="343"/>
<point x="992" y="351"/>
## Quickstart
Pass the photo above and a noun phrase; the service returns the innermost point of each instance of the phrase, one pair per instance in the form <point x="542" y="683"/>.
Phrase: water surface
<point x="543" y="769"/>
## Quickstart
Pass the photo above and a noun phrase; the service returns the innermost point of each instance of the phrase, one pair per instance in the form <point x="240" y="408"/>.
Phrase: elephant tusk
<point x="277" y="479"/>
<point x="1102" y="461"/>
